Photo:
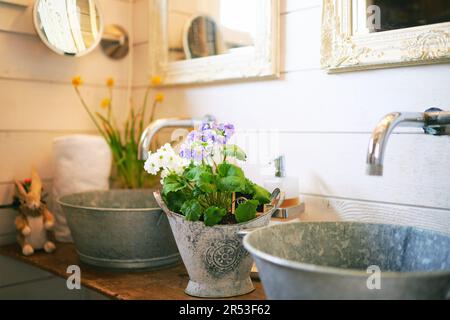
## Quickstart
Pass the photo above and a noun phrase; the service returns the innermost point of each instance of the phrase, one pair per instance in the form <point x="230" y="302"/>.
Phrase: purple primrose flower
<point x="200" y="144"/>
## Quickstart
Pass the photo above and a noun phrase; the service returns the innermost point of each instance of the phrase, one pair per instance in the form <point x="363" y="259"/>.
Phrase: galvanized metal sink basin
<point x="120" y="229"/>
<point x="330" y="260"/>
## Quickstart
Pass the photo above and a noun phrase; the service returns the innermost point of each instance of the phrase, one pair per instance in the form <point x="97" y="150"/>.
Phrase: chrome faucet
<point x="156" y="126"/>
<point x="433" y="121"/>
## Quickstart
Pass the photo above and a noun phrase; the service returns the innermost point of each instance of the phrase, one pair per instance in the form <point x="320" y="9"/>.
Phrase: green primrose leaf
<point x="230" y="170"/>
<point x="171" y="183"/>
<point x="206" y="183"/>
<point x="231" y="184"/>
<point x="175" y="200"/>
<point x="246" y="211"/>
<point x="260" y="194"/>
<point x="248" y="190"/>
<point x="194" y="173"/>
<point x="235" y="152"/>
<point x="192" y="210"/>
<point x="214" y="215"/>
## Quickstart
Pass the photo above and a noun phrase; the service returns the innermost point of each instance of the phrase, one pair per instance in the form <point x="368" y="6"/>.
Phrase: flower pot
<point x="216" y="261"/>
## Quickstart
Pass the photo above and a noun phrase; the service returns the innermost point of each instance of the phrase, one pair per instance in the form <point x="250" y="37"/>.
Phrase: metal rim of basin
<point x="63" y="202"/>
<point x="335" y="270"/>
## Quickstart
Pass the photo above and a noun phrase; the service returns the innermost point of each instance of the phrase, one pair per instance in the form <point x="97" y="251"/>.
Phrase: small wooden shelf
<point x="168" y="284"/>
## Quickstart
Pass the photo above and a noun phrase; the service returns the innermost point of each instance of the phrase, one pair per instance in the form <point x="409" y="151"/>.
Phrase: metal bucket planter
<point x="120" y="229"/>
<point x="216" y="261"/>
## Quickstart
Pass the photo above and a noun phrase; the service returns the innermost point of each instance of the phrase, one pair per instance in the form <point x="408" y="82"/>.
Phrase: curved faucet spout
<point x="431" y="122"/>
<point x="156" y="126"/>
<point x="381" y="134"/>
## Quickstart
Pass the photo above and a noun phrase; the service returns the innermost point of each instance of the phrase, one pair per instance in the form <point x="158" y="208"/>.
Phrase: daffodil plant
<point x="202" y="181"/>
<point x="123" y="142"/>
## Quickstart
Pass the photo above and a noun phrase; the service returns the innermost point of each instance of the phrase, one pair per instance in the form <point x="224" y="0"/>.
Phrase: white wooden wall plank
<point x="7" y="190"/>
<point x="117" y="12"/>
<point x="141" y="72"/>
<point x="20" y="150"/>
<point x="140" y="21"/>
<point x="7" y="217"/>
<point x="42" y="106"/>
<point x="16" y="19"/>
<point x="19" y="55"/>
<point x="288" y="6"/>
<point x="300" y="49"/>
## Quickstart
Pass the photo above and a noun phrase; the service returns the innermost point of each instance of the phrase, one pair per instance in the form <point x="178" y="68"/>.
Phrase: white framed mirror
<point x="71" y="28"/>
<point x="370" y="34"/>
<point x="200" y="41"/>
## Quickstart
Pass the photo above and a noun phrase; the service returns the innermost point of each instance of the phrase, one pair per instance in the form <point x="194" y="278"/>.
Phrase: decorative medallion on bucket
<point x="222" y="257"/>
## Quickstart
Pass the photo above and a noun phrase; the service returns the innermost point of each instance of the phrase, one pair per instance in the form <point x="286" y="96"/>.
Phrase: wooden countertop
<point x="168" y="284"/>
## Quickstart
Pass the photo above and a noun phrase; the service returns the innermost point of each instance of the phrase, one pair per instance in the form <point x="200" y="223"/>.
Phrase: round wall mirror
<point x="202" y="37"/>
<point x="70" y="27"/>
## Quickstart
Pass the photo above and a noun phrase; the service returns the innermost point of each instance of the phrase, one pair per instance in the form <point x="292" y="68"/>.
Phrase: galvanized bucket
<point x="216" y="261"/>
<point x="120" y="229"/>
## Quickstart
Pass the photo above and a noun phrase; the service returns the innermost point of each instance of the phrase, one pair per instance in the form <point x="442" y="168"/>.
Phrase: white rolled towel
<point x="81" y="163"/>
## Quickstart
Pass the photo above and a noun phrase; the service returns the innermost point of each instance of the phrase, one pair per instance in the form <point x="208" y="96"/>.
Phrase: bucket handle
<point x="161" y="202"/>
<point x="277" y="199"/>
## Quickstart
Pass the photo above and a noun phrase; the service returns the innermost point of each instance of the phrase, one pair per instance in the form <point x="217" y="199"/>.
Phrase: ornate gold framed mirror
<point x="370" y="34"/>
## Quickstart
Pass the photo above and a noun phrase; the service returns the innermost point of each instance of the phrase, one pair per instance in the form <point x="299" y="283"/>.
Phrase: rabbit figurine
<point x="34" y="221"/>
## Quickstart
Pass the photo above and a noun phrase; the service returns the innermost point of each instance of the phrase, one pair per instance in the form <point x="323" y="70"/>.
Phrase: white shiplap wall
<point x="324" y="124"/>
<point x="37" y="104"/>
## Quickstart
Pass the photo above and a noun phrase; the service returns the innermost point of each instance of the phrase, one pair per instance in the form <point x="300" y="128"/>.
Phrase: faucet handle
<point x="209" y="118"/>
<point x="433" y="122"/>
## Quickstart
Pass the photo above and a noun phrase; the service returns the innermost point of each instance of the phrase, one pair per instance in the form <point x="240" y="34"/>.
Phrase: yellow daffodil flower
<point x="159" y="97"/>
<point x="106" y="103"/>
<point x="156" y="81"/>
<point x="77" y="81"/>
<point x="110" y="82"/>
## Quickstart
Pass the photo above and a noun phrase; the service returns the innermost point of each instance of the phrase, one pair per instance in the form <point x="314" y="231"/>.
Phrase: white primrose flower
<point x="152" y="165"/>
<point x="151" y="168"/>
<point x="165" y="159"/>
